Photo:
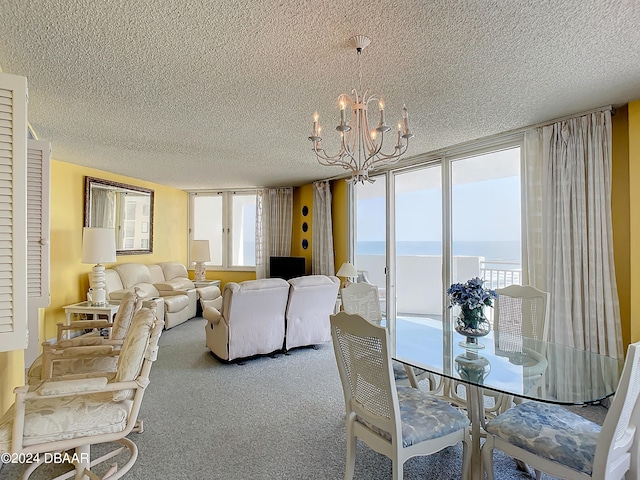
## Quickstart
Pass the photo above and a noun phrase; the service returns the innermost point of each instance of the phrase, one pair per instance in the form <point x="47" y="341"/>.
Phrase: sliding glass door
<point x="418" y="241"/>
<point x="371" y="234"/>
<point x="419" y="230"/>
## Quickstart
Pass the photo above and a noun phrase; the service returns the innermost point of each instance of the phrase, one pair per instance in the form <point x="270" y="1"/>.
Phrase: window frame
<point x="445" y="159"/>
<point x="227" y="230"/>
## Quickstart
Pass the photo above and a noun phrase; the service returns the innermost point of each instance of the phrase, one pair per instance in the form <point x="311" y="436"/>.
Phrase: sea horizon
<point x="492" y="251"/>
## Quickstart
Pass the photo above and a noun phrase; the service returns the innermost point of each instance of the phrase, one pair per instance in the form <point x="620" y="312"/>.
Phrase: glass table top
<point x="533" y="369"/>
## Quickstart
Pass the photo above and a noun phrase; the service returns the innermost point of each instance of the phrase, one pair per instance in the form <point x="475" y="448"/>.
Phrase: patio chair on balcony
<point x="362" y="299"/>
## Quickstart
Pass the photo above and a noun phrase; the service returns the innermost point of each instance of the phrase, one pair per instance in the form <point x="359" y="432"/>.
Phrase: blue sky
<point x="487" y="210"/>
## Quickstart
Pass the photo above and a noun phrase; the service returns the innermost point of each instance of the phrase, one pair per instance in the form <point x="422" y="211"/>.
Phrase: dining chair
<point x="67" y="356"/>
<point x="63" y="417"/>
<point x="362" y="299"/>
<point x="398" y="422"/>
<point x="520" y="311"/>
<point x="563" y="444"/>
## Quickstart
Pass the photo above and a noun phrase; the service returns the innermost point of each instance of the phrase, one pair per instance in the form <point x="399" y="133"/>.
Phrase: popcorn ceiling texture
<point x="196" y="95"/>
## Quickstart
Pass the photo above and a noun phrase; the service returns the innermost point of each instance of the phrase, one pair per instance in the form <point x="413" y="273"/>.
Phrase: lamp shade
<point x="347" y="270"/>
<point x="98" y="245"/>
<point x="200" y="251"/>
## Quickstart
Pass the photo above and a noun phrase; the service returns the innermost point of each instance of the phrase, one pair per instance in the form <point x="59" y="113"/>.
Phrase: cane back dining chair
<point x="398" y="422"/>
<point x="362" y="299"/>
<point x="563" y="444"/>
<point x="74" y="412"/>
<point x="519" y="312"/>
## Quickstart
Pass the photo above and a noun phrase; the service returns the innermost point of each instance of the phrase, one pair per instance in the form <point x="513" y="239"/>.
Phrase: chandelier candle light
<point x="361" y="147"/>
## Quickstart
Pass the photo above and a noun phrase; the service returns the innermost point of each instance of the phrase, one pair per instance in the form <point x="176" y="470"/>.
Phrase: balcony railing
<point x="419" y="289"/>
<point x="500" y="274"/>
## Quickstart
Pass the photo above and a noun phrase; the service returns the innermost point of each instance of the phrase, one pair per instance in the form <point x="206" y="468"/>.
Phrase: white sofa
<point x="259" y="317"/>
<point x="168" y="283"/>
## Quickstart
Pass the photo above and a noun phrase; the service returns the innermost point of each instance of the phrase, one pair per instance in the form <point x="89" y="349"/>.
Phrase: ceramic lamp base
<point x="97" y="283"/>
<point x="200" y="272"/>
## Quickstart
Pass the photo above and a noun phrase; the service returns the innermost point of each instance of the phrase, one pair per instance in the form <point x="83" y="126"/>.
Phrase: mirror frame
<point x="89" y="181"/>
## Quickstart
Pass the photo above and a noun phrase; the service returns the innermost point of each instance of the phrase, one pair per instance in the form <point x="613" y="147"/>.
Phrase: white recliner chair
<point x="250" y="321"/>
<point x="312" y="299"/>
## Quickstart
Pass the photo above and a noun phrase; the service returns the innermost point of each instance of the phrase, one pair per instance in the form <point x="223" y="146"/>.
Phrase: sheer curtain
<point x="569" y="249"/>
<point x="322" y="238"/>
<point x="274" y="223"/>
<point x="103" y="208"/>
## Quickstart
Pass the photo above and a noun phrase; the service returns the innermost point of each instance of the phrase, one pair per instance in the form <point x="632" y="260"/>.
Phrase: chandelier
<point x="361" y="148"/>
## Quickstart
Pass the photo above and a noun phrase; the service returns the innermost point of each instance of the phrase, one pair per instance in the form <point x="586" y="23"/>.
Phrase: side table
<point x="94" y="311"/>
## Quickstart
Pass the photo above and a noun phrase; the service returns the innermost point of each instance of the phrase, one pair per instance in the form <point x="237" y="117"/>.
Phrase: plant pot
<point x="472" y="324"/>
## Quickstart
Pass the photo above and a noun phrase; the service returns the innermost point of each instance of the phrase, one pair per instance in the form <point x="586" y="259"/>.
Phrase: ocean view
<point x="499" y="251"/>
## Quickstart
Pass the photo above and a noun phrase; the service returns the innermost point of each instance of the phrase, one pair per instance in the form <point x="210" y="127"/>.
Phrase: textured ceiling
<point x="196" y="94"/>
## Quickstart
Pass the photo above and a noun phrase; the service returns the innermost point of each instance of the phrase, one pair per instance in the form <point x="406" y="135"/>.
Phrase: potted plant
<point x="472" y="297"/>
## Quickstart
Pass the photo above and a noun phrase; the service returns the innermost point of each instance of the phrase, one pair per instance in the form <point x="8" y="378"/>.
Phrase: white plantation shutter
<point x="13" y="212"/>
<point x="38" y="157"/>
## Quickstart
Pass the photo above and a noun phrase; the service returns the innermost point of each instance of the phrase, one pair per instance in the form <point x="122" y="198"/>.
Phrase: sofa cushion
<point x="175" y="284"/>
<point x="176" y="303"/>
<point x="131" y="274"/>
<point x="148" y="289"/>
<point x="173" y="270"/>
<point x="156" y="274"/>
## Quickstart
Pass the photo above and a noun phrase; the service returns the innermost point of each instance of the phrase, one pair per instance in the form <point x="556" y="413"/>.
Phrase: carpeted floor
<point x="271" y="418"/>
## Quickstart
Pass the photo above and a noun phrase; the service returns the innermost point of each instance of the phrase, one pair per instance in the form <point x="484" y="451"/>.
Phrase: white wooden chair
<point x="519" y="311"/>
<point x="362" y="299"/>
<point x="563" y="444"/>
<point x="76" y="411"/>
<point x="77" y="355"/>
<point x="399" y="422"/>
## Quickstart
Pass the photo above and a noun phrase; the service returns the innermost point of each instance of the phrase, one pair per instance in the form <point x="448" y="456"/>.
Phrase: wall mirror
<point x="127" y="209"/>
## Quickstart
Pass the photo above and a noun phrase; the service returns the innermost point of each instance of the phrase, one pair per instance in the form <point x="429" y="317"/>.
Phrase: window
<point x="422" y="228"/>
<point x="227" y="219"/>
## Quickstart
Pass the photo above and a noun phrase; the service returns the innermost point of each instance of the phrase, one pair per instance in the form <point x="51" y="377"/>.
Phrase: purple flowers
<point x="471" y="295"/>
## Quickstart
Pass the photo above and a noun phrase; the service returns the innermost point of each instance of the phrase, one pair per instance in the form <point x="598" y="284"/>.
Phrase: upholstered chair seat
<point x="76" y="411"/>
<point x="551" y="432"/>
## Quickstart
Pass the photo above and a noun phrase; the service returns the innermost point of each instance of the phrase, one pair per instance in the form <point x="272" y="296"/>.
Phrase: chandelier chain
<point x="360" y="69"/>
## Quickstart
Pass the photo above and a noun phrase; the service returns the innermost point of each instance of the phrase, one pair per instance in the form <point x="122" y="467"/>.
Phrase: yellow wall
<point x="230" y="276"/>
<point x="620" y="216"/>
<point x="634" y="217"/>
<point x="69" y="280"/>
<point x="302" y="197"/>
<point x="339" y="212"/>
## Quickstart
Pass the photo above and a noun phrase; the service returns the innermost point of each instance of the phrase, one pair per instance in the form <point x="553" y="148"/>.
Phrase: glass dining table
<point x="511" y="365"/>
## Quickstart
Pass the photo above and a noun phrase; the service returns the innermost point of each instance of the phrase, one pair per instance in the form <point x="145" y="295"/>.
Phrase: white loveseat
<point x="260" y="317"/>
<point x="168" y="283"/>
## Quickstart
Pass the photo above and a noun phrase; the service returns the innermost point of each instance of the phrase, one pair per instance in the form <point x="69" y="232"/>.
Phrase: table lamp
<point x="98" y="246"/>
<point x="200" y="253"/>
<point x="348" y="271"/>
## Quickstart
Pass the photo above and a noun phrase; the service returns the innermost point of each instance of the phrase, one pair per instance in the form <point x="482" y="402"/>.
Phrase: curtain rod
<point x="480" y="143"/>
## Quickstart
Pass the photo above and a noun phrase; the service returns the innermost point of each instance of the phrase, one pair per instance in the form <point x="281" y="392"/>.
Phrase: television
<point x="286" y="267"/>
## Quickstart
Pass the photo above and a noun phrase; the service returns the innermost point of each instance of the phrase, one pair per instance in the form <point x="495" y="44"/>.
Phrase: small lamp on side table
<point x="347" y="271"/>
<point x="200" y="254"/>
<point x="98" y="246"/>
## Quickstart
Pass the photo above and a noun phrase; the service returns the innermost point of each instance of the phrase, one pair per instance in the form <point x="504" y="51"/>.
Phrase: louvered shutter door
<point x="38" y="157"/>
<point x="13" y="212"/>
